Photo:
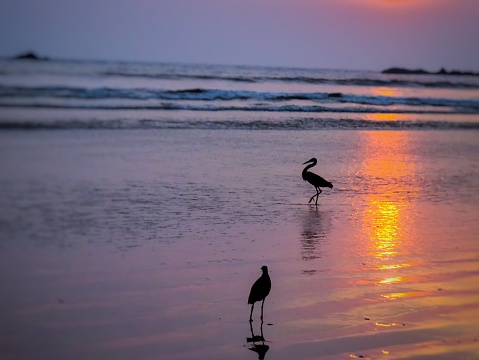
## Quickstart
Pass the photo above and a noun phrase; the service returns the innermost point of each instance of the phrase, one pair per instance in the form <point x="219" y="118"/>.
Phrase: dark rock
<point x="442" y="71"/>
<point x="29" y="56"/>
<point x="397" y="70"/>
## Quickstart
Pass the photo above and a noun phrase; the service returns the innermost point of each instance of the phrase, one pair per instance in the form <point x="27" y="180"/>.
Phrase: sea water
<point x="139" y="202"/>
<point x="82" y="94"/>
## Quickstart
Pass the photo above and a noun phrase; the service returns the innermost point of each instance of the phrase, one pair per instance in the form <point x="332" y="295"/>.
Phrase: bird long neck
<point x="265" y="275"/>
<point x="309" y="167"/>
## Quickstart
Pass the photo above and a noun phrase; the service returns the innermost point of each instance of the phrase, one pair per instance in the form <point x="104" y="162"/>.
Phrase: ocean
<point x="112" y="95"/>
<point x="139" y="202"/>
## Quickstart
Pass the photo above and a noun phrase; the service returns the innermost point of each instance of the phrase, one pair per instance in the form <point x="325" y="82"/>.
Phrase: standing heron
<point x="315" y="180"/>
<point x="259" y="291"/>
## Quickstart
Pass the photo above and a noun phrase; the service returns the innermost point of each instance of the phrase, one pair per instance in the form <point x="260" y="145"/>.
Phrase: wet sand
<point x="144" y="245"/>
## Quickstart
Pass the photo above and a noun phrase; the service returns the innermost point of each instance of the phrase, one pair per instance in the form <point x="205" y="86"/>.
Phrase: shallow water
<point x="144" y="244"/>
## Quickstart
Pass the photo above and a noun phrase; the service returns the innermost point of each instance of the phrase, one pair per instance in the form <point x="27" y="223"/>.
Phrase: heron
<point x="315" y="180"/>
<point x="259" y="291"/>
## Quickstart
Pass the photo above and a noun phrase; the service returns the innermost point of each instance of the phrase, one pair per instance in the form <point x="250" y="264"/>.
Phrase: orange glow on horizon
<point x="399" y="4"/>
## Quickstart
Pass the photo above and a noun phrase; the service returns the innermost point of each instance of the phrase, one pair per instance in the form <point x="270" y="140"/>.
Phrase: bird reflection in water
<point x="257" y="342"/>
<point x="315" y="225"/>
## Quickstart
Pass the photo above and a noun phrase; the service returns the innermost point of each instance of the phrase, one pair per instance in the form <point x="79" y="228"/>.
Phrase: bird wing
<point x="254" y="293"/>
<point x="317" y="180"/>
<point x="260" y="289"/>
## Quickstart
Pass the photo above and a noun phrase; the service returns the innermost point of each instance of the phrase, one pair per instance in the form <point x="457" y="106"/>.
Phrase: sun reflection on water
<point x="391" y="280"/>
<point x="387" y="172"/>
<point x="386" y="91"/>
<point x="385" y="232"/>
<point x="398" y="295"/>
<point x="387" y="117"/>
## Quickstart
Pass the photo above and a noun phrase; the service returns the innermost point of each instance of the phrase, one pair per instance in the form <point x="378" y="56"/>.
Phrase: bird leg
<point x="262" y="310"/>
<point x="318" y="191"/>
<point x="251" y="314"/>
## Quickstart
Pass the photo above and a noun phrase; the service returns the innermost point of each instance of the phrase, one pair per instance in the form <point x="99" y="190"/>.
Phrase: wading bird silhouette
<point x="259" y="291"/>
<point x="315" y="180"/>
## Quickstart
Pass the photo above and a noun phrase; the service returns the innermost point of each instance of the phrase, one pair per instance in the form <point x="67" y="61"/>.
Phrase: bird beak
<point x="308" y="161"/>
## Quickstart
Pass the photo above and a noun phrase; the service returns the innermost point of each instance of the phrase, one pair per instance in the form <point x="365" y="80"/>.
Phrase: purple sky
<point x="338" y="34"/>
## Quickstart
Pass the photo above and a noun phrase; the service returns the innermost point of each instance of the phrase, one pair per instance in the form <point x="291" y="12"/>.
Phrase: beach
<point x="144" y="243"/>
<point x="239" y="180"/>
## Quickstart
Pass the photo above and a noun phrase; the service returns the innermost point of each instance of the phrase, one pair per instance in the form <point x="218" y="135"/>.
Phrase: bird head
<point x="264" y="268"/>
<point x="311" y="160"/>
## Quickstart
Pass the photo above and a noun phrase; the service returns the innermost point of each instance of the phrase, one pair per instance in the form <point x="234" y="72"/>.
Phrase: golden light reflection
<point x="399" y="295"/>
<point x="387" y="117"/>
<point x="387" y="173"/>
<point x="384" y="215"/>
<point x="385" y="91"/>
<point x="392" y="266"/>
<point x="391" y="280"/>
<point x="385" y="324"/>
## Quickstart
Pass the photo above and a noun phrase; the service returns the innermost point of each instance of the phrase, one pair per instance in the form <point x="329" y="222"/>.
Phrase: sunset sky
<point x="338" y="34"/>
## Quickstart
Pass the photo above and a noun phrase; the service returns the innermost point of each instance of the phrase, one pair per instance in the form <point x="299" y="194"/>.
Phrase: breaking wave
<point x="216" y="100"/>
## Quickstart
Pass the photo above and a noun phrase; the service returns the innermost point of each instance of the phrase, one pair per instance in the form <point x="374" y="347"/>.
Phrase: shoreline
<point x="124" y="245"/>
